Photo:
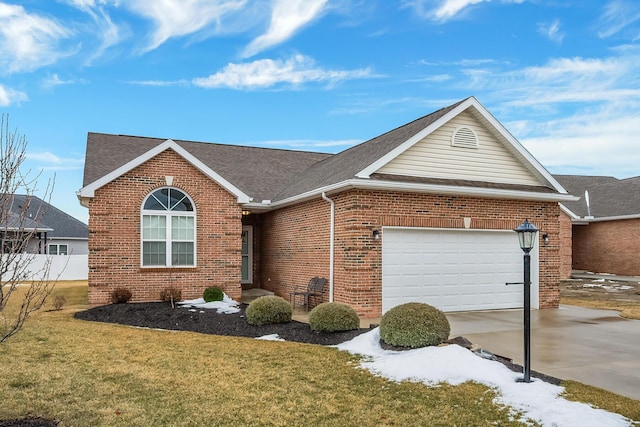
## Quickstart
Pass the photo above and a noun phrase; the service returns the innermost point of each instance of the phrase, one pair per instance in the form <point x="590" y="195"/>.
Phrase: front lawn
<point x="85" y="373"/>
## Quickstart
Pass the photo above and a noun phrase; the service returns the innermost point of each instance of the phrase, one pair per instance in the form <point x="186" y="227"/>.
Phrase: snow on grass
<point x="538" y="401"/>
<point x="226" y="306"/>
<point x="610" y="287"/>
<point x="272" y="337"/>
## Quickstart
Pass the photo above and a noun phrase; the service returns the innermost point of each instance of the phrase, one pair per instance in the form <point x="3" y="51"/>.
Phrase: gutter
<point x="368" y="184"/>
<point x="331" y="243"/>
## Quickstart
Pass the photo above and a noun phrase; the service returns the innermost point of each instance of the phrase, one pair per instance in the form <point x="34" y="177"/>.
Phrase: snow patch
<point x="538" y="401"/>
<point x="272" y="337"/>
<point x="226" y="306"/>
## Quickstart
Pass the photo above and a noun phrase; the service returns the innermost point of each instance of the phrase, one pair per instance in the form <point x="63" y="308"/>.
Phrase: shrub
<point x="333" y="317"/>
<point x="213" y="293"/>
<point x="171" y="294"/>
<point x="120" y="295"/>
<point x="58" y="301"/>
<point x="414" y="325"/>
<point x="268" y="309"/>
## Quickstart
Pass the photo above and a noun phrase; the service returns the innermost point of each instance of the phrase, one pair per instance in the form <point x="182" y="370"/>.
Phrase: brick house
<point x="424" y="212"/>
<point x="605" y="223"/>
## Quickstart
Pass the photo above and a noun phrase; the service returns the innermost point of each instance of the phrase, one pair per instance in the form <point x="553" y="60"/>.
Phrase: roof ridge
<point x="212" y="143"/>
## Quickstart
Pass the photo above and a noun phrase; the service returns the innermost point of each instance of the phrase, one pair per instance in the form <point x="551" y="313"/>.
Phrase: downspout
<point x="331" y="244"/>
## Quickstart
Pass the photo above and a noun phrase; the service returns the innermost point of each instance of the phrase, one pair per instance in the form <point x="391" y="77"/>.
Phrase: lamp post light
<point x="527" y="233"/>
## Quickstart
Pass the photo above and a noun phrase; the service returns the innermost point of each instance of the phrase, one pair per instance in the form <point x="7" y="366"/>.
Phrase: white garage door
<point x="454" y="270"/>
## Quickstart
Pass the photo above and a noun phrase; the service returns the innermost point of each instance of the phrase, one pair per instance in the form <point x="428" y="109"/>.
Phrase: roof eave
<point x="368" y="184"/>
<point x="609" y="218"/>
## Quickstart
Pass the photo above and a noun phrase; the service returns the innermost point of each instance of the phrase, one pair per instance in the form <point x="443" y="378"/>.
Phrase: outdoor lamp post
<point x="527" y="233"/>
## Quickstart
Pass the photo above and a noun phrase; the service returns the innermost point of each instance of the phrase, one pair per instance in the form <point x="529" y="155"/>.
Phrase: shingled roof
<point x="259" y="172"/>
<point x="348" y="163"/>
<point x="608" y="196"/>
<point x="280" y="176"/>
<point x="31" y="212"/>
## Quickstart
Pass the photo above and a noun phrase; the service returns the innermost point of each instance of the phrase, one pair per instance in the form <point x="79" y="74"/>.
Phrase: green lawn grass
<point x="92" y="374"/>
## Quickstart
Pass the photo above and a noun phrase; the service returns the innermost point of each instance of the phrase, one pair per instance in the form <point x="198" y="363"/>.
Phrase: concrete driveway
<point x="595" y="347"/>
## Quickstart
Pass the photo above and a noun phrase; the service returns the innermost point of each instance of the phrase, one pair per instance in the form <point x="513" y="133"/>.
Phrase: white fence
<point x="62" y="267"/>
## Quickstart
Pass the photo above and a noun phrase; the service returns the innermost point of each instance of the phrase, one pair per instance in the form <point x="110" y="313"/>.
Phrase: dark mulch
<point x="161" y="315"/>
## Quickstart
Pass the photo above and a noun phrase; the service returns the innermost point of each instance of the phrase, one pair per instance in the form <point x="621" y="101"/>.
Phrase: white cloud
<point x="287" y="17"/>
<point x="445" y="10"/>
<point x="10" y="96"/>
<point x="265" y="73"/>
<point x="451" y="8"/>
<point x="109" y="32"/>
<point x="176" y="18"/>
<point x="600" y="143"/>
<point x="51" y="162"/>
<point x="561" y="80"/>
<point x="28" y="41"/>
<point x="55" y="80"/>
<point x="160" y="83"/>
<point x="551" y="30"/>
<point x="439" y="10"/>
<point x="618" y="16"/>
<point x="576" y="115"/>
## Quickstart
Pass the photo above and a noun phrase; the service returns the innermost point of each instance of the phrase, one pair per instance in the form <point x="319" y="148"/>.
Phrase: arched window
<point x="168" y="229"/>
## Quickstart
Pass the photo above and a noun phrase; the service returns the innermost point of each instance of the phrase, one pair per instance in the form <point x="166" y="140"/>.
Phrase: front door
<point x="247" y="254"/>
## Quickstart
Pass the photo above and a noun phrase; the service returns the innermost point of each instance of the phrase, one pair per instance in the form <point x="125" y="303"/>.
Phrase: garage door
<point x="454" y="270"/>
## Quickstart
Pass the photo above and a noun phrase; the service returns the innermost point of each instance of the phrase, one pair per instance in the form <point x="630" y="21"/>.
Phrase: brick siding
<point x="566" y="252"/>
<point x="607" y="247"/>
<point x="295" y="239"/>
<point x="114" y="234"/>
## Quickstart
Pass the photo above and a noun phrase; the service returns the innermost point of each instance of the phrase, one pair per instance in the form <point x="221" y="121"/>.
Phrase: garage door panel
<point x="453" y="270"/>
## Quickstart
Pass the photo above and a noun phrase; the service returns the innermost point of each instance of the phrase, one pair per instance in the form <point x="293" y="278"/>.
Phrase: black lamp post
<point x="527" y="233"/>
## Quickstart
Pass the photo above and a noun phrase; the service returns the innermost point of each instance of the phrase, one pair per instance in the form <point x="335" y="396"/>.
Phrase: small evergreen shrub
<point x="268" y="309"/>
<point x="213" y="293"/>
<point x="120" y="295"/>
<point x="414" y="325"/>
<point x="333" y="317"/>
<point x="171" y="294"/>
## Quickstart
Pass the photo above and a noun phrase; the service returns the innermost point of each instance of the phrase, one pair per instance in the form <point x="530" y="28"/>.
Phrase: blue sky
<point x="322" y="75"/>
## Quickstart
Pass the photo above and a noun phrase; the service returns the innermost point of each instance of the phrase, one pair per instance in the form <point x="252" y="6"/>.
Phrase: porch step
<point x="249" y="295"/>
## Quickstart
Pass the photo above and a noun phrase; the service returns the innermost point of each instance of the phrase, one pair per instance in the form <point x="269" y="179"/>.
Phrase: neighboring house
<point x="606" y="223"/>
<point x="52" y="231"/>
<point x="424" y="212"/>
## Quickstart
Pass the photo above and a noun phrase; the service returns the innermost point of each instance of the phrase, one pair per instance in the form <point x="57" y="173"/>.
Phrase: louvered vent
<point x="464" y="137"/>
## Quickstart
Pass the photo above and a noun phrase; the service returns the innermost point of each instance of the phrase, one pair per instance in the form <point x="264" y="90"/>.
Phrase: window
<point x="247" y="255"/>
<point x="168" y="229"/>
<point x="58" y="250"/>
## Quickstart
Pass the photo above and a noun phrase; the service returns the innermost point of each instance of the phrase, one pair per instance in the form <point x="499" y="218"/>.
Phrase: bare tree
<point x="20" y="232"/>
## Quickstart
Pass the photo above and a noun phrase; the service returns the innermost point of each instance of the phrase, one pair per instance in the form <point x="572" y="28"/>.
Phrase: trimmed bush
<point x="213" y="293"/>
<point x="171" y="294"/>
<point x="333" y="317"/>
<point x="414" y="325"/>
<point x="120" y="295"/>
<point x="268" y="309"/>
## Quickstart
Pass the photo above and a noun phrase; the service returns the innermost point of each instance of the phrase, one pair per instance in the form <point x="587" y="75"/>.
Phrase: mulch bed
<point x="160" y="315"/>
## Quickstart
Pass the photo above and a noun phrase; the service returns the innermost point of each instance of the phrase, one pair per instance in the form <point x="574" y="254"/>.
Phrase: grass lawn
<point x="90" y="374"/>
<point x="628" y="309"/>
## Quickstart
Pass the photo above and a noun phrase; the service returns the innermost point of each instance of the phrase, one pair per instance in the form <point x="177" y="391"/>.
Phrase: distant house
<point x="605" y="223"/>
<point x="424" y="212"/>
<point x="53" y="231"/>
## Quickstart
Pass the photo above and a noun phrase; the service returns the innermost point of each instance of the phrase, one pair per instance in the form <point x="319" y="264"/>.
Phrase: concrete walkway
<point x="595" y="347"/>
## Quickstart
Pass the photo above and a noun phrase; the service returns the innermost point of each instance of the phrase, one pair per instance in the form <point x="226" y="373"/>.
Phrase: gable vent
<point x="464" y="137"/>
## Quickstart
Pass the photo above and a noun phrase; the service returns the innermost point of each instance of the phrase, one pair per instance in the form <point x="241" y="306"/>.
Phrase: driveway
<point x="595" y="347"/>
